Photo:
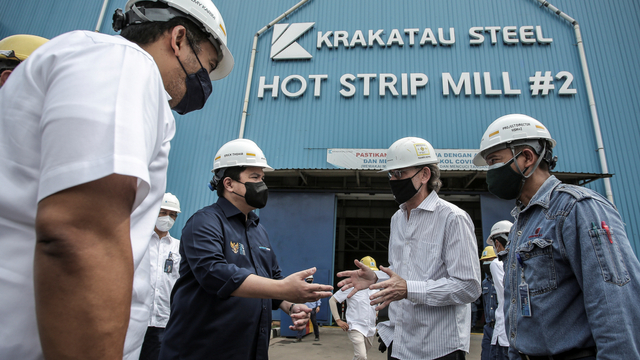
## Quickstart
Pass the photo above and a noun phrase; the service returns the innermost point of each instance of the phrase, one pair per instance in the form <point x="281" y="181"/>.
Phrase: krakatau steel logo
<point x="283" y="42"/>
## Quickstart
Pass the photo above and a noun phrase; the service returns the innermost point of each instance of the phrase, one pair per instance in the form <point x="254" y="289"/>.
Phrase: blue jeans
<point x="486" y="342"/>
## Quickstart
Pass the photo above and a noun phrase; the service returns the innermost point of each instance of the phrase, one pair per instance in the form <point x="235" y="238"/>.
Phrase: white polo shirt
<point x="361" y="316"/>
<point x="83" y="106"/>
<point x="161" y="281"/>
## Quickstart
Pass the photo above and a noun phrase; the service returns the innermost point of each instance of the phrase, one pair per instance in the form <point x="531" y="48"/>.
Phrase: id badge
<point x="168" y="265"/>
<point x="525" y="302"/>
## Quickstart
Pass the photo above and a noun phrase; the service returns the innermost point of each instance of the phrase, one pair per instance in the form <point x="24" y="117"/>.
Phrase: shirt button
<point x="262" y="330"/>
<point x="513" y="300"/>
<point x="520" y="233"/>
<point x="513" y="336"/>
<point x="513" y="266"/>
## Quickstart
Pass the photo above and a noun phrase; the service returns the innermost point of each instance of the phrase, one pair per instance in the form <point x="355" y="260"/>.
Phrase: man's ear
<point x="529" y="157"/>
<point x="426" y="174"/>
<point x="4" y="76"/>
<point x="178" y="39"/>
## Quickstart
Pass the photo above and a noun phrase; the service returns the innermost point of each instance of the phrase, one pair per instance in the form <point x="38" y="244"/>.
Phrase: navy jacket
<point x="219" y="250"/>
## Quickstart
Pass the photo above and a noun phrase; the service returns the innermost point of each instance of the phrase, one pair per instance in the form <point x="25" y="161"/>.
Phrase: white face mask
<point x="164" y="223"/>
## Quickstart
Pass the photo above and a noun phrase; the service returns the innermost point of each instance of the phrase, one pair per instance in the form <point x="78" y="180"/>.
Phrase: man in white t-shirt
<point x="84" y="141"/>
<point x="498" y="239"/>
<point x="361" y="316"/>
<point x="164" y="252"/>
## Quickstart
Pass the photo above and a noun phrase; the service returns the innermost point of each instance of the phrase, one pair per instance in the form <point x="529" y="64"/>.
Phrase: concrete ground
<point x="334" y="344"/>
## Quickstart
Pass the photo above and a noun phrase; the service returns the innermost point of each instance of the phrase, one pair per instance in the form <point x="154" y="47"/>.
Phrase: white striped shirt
<point x="435" y="251"/>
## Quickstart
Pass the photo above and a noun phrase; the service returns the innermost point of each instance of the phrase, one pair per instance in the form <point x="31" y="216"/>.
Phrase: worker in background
<point x="433" y="274"/>
<point x="86" y="124"/>
<point x="570" y="272"/>
<point x="361" y="316"/>
<point x="497" y="240"/>
<point x="489" y="300"/>
<point x="164" y="252"/>
<point x="230" y="280"/>
<point x="315" y="307"/>
<point x="15" y="49"/>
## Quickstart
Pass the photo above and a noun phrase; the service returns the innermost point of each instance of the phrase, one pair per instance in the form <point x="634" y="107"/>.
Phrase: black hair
<point x="148" y="32"/>
<point x="231" y="172"/>
<point x="8" y="64"/>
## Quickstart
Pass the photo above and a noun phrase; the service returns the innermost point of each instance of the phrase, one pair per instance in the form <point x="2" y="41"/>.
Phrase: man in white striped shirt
<point x="433" y="274"/>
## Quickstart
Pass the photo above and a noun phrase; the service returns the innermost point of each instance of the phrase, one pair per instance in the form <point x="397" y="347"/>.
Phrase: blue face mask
<point x="198" y="89"/>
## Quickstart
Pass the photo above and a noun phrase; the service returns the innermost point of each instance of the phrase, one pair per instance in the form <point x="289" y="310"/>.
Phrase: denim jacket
<point x="583" y="285"/>
<point x="489" y="300"/>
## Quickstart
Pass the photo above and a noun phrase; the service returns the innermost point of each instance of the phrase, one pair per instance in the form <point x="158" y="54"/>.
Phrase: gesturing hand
<point x="357" y="279"/>
<point x="299" y="316"/>
<point x="393" y="289"/>
<point x="297" y="290"/>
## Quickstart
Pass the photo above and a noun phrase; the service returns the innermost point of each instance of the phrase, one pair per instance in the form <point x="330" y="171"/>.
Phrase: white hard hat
<point x="170" y="202"/>
<point x="240" y="152"/>
<point x="512" y="129"/>
<point x="501" y="227"/>
<point x="310" y="277"/>
<point x="410" y="151"/>
<point x="205" y="14"/>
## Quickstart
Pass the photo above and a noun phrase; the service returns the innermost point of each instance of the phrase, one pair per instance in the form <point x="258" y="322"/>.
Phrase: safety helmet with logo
<point x="202" y="12"/>
<point x="488" y="253"/>
<point x="514" y="130"/>
<point x="501" y="228"/>
<point x="370" y="262"/>
<point x="239" y="152"/>
<point x="410" y="151"/>
<point x="19" y="47"/>
<point x="170" y="202"/>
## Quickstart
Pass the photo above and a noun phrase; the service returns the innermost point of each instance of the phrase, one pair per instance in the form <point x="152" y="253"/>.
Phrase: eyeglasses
<point x="171" y="214"/>
<point x="398" y="173"/>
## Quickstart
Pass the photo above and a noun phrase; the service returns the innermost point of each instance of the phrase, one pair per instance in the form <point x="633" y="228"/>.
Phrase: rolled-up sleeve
<point x="203" y="245"/>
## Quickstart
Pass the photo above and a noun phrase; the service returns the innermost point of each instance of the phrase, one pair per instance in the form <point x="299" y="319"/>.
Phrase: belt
<point x="567" y="355"/>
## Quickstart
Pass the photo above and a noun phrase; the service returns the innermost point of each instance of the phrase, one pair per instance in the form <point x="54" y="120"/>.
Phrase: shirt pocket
<point x="538" y="265"/>
<point x="609" y="257"/>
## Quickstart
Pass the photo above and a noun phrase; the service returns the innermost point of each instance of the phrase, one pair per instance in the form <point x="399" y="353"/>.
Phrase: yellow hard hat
<point x="19" y="47"/>
<point x="370" y="262"/>
<point x="488" y="253"/>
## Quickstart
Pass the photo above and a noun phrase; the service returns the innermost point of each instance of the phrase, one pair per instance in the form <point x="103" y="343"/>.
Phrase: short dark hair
<point x="148" y="32"/>
<point x="8" y="64"/>
<point x="231" y="172"/>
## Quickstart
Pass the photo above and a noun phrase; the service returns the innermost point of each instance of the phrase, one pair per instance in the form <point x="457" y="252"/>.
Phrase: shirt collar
<point x="429" y="203"/>
<point x="542" y="197"/>
<point x="231" y="210"/>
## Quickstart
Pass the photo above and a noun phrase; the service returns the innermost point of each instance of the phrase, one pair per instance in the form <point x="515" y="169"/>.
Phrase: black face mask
<point x="504" y="182"/>
<point x="403" y="190"/>
<point x="256" y="195"/>
<point x="198" y="89"/>
<point x="486" y="269"/>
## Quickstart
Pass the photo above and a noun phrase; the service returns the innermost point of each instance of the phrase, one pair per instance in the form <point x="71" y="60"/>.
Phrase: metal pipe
<point x="102" y="13"/>
<point x="592" y="102"/>
<point x="253" y="60"/>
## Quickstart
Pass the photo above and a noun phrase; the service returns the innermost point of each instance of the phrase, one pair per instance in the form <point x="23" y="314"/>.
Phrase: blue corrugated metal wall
<point x="294" y="133"/>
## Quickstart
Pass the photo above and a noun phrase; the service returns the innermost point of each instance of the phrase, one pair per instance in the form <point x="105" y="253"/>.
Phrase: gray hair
<point x="434" y="183"/>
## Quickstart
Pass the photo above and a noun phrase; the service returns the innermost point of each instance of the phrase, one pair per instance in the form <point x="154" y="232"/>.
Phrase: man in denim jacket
<point x="571" y="278"/>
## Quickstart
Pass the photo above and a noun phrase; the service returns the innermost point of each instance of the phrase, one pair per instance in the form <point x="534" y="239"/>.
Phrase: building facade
<point x="335" y="83"/>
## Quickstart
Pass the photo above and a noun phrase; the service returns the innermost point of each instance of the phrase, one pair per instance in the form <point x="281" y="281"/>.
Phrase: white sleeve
<point x="100" y="116"/>
<point x="341" y="295"/>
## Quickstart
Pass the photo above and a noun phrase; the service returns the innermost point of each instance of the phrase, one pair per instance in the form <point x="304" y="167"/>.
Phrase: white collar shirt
<point x="83" y="106"/>
<point x="361" y="316"/>
<point x="161" y="250"/>
<point x="499" y="332"/>
<point x="435" y="251"/>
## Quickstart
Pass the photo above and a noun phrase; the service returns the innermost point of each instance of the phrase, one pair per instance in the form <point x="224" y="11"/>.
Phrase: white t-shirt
<point x="499" y="332"/>
<point x="161" y="281"/>
<point x="361" y="316"/>
<point x="83" y="106"/>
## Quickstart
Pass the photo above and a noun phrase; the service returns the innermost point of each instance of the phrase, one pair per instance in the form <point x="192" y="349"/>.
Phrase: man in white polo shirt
<point x="84" y="141"/>
<point x="361" y="316"/>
